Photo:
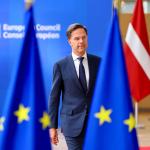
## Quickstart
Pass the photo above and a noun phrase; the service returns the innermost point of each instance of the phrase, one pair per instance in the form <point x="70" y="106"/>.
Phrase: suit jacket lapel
<point x="73" y="71"/>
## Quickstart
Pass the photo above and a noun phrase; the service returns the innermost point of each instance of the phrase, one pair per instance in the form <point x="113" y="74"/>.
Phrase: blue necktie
<point x="82" y="77"/>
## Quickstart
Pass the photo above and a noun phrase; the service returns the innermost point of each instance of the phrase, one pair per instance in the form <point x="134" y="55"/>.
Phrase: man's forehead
<point x="79" y="36"/>
<point x="78" y="33"/>
<point x="79" y="30"/>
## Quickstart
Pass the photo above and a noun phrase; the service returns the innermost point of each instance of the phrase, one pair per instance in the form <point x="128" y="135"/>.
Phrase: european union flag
<point x="25" y="121"/>
<point x="111" y="124"/>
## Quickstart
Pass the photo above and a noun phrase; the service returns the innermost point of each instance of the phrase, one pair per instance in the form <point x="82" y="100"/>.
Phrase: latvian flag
<point x="137" y="54"/>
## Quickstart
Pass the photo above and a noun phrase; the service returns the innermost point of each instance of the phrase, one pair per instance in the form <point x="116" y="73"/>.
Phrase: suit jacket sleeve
<point x="54" y="98"/>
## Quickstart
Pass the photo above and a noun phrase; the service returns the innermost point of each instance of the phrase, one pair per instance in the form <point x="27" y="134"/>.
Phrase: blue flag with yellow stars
<point x="25" y="121"/>
<point x="111" y="124"/>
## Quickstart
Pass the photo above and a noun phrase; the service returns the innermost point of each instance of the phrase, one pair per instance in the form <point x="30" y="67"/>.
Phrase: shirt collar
<point x="75" y="57"/>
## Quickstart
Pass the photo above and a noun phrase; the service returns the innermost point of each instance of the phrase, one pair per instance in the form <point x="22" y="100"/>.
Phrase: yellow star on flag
<point x="45" y="120"/>
<point x="22" y="113"/>
<point x="130" y="122"/>
<point x="2" y="120"/>
<point x="103" y="115"/>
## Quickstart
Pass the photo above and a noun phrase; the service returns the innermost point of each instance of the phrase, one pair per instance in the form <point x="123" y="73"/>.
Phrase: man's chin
<point x="81" y="49"/>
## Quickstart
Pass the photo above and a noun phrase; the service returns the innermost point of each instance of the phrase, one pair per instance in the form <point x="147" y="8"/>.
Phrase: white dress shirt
<point x="85" y="64"/>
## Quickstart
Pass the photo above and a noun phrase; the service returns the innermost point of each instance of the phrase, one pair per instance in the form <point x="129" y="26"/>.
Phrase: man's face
<point x="78" y="41"/>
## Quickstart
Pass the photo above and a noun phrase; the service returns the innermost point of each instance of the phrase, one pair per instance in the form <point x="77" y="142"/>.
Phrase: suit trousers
<point x="76" y="143"/>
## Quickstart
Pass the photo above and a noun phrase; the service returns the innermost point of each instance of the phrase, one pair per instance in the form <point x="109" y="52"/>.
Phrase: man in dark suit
<point x="74" y="77"/>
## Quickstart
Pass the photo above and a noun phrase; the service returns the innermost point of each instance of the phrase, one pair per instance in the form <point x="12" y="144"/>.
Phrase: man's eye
<point x="76" y="39"/>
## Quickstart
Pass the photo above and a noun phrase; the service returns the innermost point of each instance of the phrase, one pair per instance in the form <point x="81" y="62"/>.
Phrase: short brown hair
<point x="73" y="27"/>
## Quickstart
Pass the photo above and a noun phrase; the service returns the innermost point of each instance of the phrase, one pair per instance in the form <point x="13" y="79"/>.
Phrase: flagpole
<point x="28" y="4"/>
<point x="136" y="113"/>
<point x="137" y="116"/>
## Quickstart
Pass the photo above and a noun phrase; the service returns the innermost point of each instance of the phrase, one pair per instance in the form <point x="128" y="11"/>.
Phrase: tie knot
<point x="80" y="59"/>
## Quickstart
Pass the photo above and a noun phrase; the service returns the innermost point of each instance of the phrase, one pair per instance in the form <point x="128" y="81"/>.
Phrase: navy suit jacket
<point x="75" y="102"/>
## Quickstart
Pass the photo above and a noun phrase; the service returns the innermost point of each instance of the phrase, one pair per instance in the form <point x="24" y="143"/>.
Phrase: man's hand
<point x="53" y="136"/>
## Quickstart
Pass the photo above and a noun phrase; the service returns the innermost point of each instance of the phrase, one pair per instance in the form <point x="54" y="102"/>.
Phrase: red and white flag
<point x="137" y="54"/>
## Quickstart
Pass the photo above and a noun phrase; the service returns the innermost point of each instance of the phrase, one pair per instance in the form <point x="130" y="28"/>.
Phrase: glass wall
<point x="127" y="6"/>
